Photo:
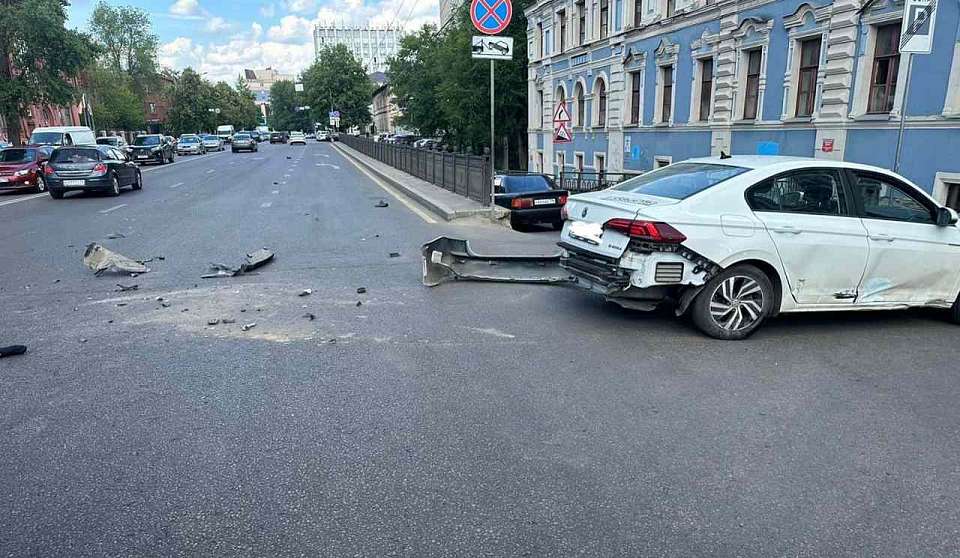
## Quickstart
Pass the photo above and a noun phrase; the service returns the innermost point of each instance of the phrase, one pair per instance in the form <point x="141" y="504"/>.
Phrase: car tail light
<point x="562" y="199"/>
<point x="646" y="230"/>
<point x="100" y="169"/>
<point x="563" y="213"/>
<point x="521" y="203"/>
<point x="48" y="170"/>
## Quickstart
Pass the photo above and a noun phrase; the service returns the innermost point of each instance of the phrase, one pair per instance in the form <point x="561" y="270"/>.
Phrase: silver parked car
<point x="211" y="142"/>
<point x="190" y="144"/>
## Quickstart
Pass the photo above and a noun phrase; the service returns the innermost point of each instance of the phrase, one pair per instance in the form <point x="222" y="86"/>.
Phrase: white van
<point x="225" y="132"/>
<point x="63" y="135"/>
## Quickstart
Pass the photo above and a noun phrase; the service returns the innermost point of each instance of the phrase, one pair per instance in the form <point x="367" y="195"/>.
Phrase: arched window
<point x="600" y="104"/>
<point x="581" y="105"/>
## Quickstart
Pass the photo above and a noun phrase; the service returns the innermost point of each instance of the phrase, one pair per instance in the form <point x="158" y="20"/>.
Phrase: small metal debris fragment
<point x="361" y="290"/>
<point x="213" y="321"/>
<point x="248" y="327"/>
<point x="359" y="303"/>
<point x="165" y="304"/>
<point x="332" y="341"/>
<point x="159" y="299"/>
<point x="115" y="235"/>
<point x="55" y="281"/>
<point x="305" y="292"/>
<point x="382" y="203"/>
<point x="309" y="316"/>
<point x="99" y="259"/>
<point x="394" y="254"/>
<point x="185" y="310"/>
<point x="228" y="321"/>
<point x="125" y="288"/>
<point x="161" y="258"/>
<point x="243" y="309"/>
<point x="253" y="261"/>
<point x="109" y="321"/>
<point x="83" y="340"/>
<point x="121" y="304"/>
<point x="12" y="350"/>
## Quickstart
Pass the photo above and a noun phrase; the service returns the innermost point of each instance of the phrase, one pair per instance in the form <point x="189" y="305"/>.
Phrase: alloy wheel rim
<point x="736" y="303"/>
<point x="41" y="184"/>
<point x="116" y="186"/>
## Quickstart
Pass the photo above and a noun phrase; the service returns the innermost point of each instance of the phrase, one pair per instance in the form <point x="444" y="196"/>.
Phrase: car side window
<point x="885" y="198"/>
<point x="814" y="192"/>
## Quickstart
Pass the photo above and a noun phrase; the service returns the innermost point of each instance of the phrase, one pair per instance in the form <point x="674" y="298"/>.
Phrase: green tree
<point x="284" y="101"/>
<point x="191" y="100"/>
<point x="415" y="79"/>
<point x="337" y="81"/>
<point x="127" y="42"/>
<point x="115" y="105"/>
<point x="248" y="113"/>
<point x="40" y="59"/>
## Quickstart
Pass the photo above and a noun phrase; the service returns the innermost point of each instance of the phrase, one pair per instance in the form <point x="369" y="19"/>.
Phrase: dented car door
<point x="821" y="243"/>
<point x="912" y="259"/>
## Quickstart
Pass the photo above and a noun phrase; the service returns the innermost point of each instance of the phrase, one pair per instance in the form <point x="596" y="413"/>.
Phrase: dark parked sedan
<point x="278" y="137"/>
<point x="21" y="168"/>
<point x="531" y="198"/>
<point x="152" y="148"/>
<point x="99" y="168"/>
<point x="243" y="142"/>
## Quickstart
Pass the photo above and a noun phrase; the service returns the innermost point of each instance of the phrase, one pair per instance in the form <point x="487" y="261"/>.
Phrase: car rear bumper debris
<point x="451" y="259"/>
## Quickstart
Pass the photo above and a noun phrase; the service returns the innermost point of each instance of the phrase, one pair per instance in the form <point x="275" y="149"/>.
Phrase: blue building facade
<point x="649" y="82"/>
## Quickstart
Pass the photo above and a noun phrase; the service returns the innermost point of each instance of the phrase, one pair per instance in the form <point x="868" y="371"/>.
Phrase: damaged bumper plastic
<point x="451" y="259"/>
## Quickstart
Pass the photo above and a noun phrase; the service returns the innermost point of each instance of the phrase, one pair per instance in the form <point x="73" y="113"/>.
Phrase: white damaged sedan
<point x="735" y="240"/>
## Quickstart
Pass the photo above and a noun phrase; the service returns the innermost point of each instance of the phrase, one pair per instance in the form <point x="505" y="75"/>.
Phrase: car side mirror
<point x="946" y="217"/>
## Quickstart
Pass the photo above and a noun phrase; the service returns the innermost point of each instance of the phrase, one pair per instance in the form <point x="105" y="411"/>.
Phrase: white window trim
<point x="791" y="78"/>
<point x="628" y="96"/>
<point x="583" y="161"/>
<point x="740" y="82"/>
<point x="574" y="118"/>
<point x="539" y="161"/>
<point x="941" y="185"/>
<point x="557" y="24"/>
<point x="861" y="91"/>
<point x="951" y="105"/>
<point x="596" y="158"/>
<point x="595" y="101"/>
<point x="698" y="61"/>
<point x="658" y="107"/>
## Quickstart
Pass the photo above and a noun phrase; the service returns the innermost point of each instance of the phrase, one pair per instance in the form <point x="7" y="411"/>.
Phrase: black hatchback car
<point x="152" y="148"/>
<point x="101" y="168"/>
<point x="531" y="198"/>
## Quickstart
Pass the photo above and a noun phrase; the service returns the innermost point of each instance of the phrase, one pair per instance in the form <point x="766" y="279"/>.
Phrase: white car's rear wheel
<point x="733" y="304"/>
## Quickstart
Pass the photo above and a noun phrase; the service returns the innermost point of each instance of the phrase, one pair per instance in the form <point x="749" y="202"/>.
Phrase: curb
<point x="445" y="213"/>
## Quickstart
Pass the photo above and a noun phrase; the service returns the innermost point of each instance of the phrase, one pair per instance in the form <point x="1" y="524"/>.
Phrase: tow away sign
<point x="492" y="48"/>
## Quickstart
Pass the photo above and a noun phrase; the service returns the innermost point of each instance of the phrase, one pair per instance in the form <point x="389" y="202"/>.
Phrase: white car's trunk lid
<point x="586" y="214"/>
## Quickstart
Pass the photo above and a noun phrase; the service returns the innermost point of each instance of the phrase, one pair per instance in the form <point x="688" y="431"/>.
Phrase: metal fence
<point x="577" y="182"/>
<point x="466" y="175"/>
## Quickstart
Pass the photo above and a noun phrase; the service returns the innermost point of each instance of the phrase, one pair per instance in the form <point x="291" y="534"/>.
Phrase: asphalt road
<point x="464" y="420"/>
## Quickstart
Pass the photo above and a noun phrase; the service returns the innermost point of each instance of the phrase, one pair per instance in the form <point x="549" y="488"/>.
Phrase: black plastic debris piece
<point x="124" y="288"/>
<point x="228" y="321"/>
<point x="115" y="236"/>
<point x="382" y="203"/>
<point x="121" y="304"/>
<point x="253" y="261"/>
<point x="394" y="254"/>
<point x="359" y="303"/>
<point x="12" y="350"/>
<point x="361" y="290"/>
<point x="305" y="292"/>
<point x="213" y="321"/>
<point x="165" y="304"/>
<point x="309" y="316"/>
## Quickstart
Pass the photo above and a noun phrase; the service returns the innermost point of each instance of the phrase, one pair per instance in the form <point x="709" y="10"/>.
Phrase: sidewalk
<point x="444" y="203"/>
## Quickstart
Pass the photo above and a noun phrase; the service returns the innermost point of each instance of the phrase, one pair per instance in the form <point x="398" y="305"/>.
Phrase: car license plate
<point x="74" y="182"/>
<point x="143" y="156"/>
<point x="545" y="201"/>
<point x="587" y="232"/>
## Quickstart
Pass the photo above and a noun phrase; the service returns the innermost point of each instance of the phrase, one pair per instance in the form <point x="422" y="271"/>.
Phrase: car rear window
<point x="49" y="138"/>
<point x="18" y="155"/>
<point x="73" y="155"/>
<point x="531" y="183"/>
<point x="242" y="136"/>
<point x="107" y="141"/>
<point x="147" y="140"/>
<point x="192" y="139"/>
<point x="680" y="181"/>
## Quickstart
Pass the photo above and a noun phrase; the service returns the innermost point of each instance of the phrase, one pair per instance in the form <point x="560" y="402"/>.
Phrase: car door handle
<point x="786" y="229"/>
<point x="881" y="237"/>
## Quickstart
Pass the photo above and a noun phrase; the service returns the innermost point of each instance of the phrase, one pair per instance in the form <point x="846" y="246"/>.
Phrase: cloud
<point x="292" y="29"/>
<point x="268" y="10"/>
<point x="256" y="29"/>
<point x="300" y="6"/>
<point x="185" y="8"/>
<point x="217" y="23"/>
<point x="407" y="14"/>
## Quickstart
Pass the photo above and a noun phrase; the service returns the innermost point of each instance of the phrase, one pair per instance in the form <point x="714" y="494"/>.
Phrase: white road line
<point x="180" y="162"/>
<point x="177" y="185"/>
<point x="23" y="199"/>
<point x="211" y="170"/>
<point x="335" y="167"/>
<point x="398" y="196"/>
<point x="266" y="204"/>
<point x="108" y="210"/>
<point x="275" y="192"/>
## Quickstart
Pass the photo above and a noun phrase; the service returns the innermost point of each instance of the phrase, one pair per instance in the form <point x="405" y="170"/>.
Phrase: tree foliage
<point x="337" y="81"/>
<point x="194" y="103"/>
<point x="115" y="105"/>
<point x="440" y="89"/>
<point x="127" y="42"/>
<point x="284" y="101"/>
<point x="40" y="59"/>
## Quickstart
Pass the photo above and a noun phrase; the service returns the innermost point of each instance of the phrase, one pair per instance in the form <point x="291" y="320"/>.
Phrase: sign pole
<point x="903" y="113"/>
<point x="493" y="167"/>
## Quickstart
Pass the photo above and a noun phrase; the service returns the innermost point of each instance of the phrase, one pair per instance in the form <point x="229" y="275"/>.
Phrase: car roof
<point x="61" y="129"/>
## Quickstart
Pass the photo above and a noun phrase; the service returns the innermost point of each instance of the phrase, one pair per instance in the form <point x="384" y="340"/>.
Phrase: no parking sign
<point x="491" y="16"/>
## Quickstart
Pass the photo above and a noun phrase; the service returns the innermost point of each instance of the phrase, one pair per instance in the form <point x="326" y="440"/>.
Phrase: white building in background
<point x="370" y="45"/>
<point x="447" y="10"/>
<point x="259" y="82"/>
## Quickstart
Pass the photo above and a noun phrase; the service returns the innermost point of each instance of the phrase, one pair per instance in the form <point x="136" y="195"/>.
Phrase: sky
<point x="222" y="37"/>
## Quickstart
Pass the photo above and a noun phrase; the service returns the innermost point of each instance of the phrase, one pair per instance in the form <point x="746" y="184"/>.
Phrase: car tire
<point x="138" y="183"/>
<point x="56" y="194"/>
<point x="734" y="304"/>
<point x="518" y="225"/>
<point x="114" y="186"/>
<point x="41" y="185"/>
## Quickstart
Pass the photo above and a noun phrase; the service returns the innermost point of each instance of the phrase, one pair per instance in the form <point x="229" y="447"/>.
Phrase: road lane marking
<point x="210" y="171"/>
<point x="108" y="210"/>
<point x="266" y="204"/>
<point x="23" y="199"/>
<point x="397" y="195"/>
<point x="180" y="162"/>
<point x="335" y="167"/>
<point x="275" y="192"/>
<point x="177" y="185"/>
